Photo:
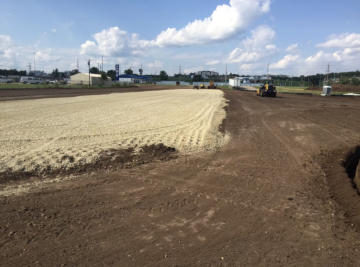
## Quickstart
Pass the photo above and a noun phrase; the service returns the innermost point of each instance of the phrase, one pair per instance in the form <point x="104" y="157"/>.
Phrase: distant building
<point x="38" y="73"/>
<point x="133" y="78"/>
<point x="83" y="78"/>
<point x="207" y="74"/>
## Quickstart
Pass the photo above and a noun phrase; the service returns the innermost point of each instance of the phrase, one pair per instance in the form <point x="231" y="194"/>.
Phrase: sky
<point x="293" y="37"/>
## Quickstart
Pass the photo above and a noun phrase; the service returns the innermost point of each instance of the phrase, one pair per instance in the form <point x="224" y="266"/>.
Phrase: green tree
<point x="73" y="72"/>
<point x="129" y="72"/>
<point x="55" y="74"/>
<point x="355" y="81"/>
<point x="94" y="70"/>
<point x="112" y="74"/>
<point x="164" y="76"/>
<point x="104" y="76"/>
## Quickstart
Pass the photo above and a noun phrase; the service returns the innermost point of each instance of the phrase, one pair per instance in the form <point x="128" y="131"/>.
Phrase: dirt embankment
<point x="342" y="172"/>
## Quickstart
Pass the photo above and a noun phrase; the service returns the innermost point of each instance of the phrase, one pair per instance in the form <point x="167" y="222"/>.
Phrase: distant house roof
<point x="134" y="76"/>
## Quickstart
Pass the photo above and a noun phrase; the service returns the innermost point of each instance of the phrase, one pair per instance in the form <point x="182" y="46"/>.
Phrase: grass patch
<point x="226" y="87"/>
<point x="296" y="90"/>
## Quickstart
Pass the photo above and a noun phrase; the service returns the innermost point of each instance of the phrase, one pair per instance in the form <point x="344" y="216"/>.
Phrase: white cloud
<point x="113" y="42"/>
<point x="155" y="64"/>
<point x="255" y="47"/>
<point x="315" y="58"/>
<point x="292" y="48"/>
<point x="5" y="42"/>
<point x="8" y="51"/>
<point x="346" y="40"/>
<point x="213" y="62"/>
<point x="285" y="62"/>
<point x="193" y="69"/>
<point x="46" y="55"/>
<point x="225" y="22"/>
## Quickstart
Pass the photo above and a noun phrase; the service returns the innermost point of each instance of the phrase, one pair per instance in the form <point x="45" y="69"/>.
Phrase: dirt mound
<point x="109" y="160"/>
<point x="342" y="173"/>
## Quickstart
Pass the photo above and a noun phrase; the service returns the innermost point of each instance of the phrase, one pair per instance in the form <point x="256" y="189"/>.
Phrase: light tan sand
<point x="37" y="134"/>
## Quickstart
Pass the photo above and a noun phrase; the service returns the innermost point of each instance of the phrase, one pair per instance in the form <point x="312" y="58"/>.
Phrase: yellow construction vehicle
<point x="212" y="85"/>
<point x="202" y="86"/>
<point x="267" y="90"/>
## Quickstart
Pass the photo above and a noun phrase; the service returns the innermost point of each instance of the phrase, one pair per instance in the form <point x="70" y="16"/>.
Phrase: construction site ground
<point x="276" y="195"/>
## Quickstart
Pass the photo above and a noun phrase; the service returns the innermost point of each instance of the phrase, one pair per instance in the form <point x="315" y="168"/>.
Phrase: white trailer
<point x="235" y="83"/>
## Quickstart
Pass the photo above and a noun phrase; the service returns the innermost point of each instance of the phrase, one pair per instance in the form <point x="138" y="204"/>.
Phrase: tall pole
<point x="327" y="76"/>
<point x="34" y="64"/>
<point x="89" y="71"/>
<point x="102" y="64"/>
<point x="268" y="67"/>
<point x="226" y="73"/>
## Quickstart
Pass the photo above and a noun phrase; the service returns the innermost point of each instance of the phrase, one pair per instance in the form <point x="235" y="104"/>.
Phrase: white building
<point x="132" y="78"/>
<point x="83" y="78"/>
<point x="207" y="74"/>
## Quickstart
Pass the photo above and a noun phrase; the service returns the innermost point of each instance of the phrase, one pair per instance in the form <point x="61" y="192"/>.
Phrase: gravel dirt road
<point x="268" y="198"/>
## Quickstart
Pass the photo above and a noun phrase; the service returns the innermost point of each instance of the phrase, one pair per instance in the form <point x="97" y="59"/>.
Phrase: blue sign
<point x="117" y="68"/>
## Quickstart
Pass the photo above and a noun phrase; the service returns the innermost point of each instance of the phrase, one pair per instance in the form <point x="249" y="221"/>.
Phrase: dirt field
<point x="275" y="195"/>
<point x="45" y="135"/>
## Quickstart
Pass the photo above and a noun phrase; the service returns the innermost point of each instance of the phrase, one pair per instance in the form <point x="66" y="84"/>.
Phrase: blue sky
<point x="294" y="37"/>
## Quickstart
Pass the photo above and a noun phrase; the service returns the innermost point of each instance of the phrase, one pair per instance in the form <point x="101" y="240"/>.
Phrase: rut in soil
<point x="351" y="164"/>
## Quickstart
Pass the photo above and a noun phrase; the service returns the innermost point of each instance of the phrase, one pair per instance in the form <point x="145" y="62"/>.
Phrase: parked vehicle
<point x="4" y="79"/>
<point x="30" y="80"/>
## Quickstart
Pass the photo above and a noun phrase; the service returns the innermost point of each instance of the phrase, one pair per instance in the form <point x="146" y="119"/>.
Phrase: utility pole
<point x="77" y="64"/>
<point x="179" y="69"/>
<point x="226" y="73"/>
<point x="34" y="64"/>
<point x="102" y="63"/>
<point x="268" y="68"/>
<point x="89" y="71"/>
<point x="29" y="66"/>
<point x="328" y="72"/>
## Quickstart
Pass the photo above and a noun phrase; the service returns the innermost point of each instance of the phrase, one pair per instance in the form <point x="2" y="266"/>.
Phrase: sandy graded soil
<point x="62" y="133"/>
<point x="266" y="199"/>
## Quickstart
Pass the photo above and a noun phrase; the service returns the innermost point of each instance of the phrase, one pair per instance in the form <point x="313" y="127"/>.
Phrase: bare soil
<point x="37" y="93"/>
<point x="268" y="198"/>
<point x="348" y="88"/>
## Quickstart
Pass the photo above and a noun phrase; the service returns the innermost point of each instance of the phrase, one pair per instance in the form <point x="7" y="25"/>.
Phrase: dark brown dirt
<point x="268" y="198"/>
<point x="340" y="167"/>
<point x="21" y="94"/>
<point x="110" y="160"/>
